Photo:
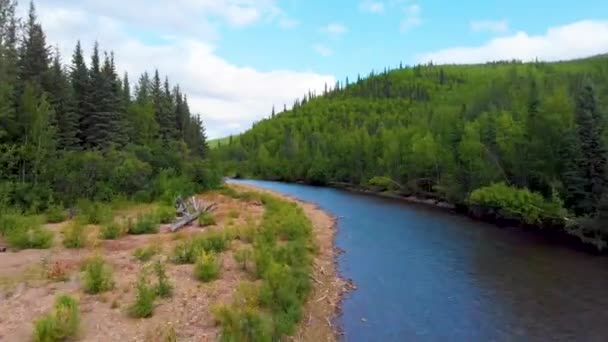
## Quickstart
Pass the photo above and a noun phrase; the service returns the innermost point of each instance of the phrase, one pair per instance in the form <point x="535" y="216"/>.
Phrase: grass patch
<point x="164" y="288"/>
<point x="61" y="324"/>
<point x="206" y="267"/>
<point x="165" y="214"/>
<point x="206" y="219"/>
<point x="97" y="276"/>
<point x="243" y="257"/>
<point x="233" y="214"/>
<point x="144" y="254"/>
<point x="273" y="309"/>
<point x="25" y="232"/>
<point x="55" y="214"/>
<point x="74" y="235"/>
<point x="143" y="307"/>
<point x="145" y="224"/>
<point x="94" y="212"/>
<point x="187" y="252"/>
<point x="111" y="231"/>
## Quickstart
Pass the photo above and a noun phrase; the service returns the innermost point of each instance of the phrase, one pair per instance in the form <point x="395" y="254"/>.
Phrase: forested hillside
<point x="76" y="131"/>
<point x="525" y="139"/>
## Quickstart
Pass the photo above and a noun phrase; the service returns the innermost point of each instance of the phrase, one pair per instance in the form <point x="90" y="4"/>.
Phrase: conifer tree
<point x="79" y="79"/>
<point x="34" y="55"/>
<point x="62" y="101"/>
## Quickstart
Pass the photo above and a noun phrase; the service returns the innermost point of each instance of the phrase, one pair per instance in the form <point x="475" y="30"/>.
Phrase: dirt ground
<point x="26" y="292"/>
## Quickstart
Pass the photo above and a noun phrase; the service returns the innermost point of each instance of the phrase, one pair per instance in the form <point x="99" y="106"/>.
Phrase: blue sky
<point x="238" y="58"/>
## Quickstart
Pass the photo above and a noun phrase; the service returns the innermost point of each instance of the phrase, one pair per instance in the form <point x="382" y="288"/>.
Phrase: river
<point x="428" y="275"/>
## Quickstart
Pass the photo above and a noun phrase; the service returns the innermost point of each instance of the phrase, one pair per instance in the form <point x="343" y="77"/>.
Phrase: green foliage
<point x="243" y="256"/>
<point x="383" y="183"/>
<point x="55" y="214"/>
<point x="144" y="224"/>
<point x="74" y="235"/>
<point x="515" y="203"/>
<point x="61" y="324"/>
<point x="244" y="324"/>
<point x="23" y="232"/>
<point x="164" y="288"/>
<point x="187" y="252"/>
<point x="94" y="212"/>
<point x="206" y="267"/>
<point x="165" y="214"/>
<point x="111" y="231"/>
<point x="143" y="306"/>
<point x="206" y="219"/>
<point x="97" y="276"/>
<point x="144" y="254"/>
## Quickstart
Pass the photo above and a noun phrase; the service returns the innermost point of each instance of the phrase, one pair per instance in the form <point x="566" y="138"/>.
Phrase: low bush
<point x="61" y="324"/>
<point x="143" y="307"/>
<point x="233" y="214"/>
<point x="243" y="257"/>
<point x="186" y="252"/>
<point x="164" y="288"/>
<point x="74" y="235"/>
<point x="206" y="219"/>
<point x="55" y="214"/>
<point x="111" y="231"/>
<point x="145" y="224"/>
<point x="165" y="214"/>
<point x="514" y="203"/>
<point x="382" y="183"/>
<point x="206" y="267"/>
<point x="144" y="254"/>
<point x="97" y="276"/>
<point x="25" y="232"/>
<point x="244" y="324"/>
<point x="94" y="212"/>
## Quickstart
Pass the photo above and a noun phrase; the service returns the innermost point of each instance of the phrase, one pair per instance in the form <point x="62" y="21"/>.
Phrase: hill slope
<point x="445" y="131"/>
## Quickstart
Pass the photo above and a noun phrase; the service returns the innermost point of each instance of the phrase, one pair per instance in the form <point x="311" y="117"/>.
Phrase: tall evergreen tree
<point x="62" y="100"/>
<point x="97" y="121"/>
<point x="34" y="56"/>
<point x="79" y="79"/>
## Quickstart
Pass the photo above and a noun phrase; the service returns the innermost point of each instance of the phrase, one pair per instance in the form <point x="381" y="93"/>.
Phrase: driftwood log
<point x="189" y="211"/>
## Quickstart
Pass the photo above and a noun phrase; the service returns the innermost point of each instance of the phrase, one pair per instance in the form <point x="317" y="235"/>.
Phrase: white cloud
<point x="371" y="6"/>
<point x="576" y="40"/>
<point x="228" y="96"/>
<point x="494" y="26"/>
<point x="412" y="17"/>
<point x="288" y="23"/>
<point x="323" y="50"/>
<point x="334" y="29"/>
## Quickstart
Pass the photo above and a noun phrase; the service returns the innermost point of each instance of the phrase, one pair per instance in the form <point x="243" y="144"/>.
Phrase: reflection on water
<point x="423" y="274"/>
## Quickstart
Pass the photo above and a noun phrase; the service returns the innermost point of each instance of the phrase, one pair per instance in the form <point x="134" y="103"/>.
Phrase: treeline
<point x="523" y="135"/>
<point x="78" y="132"/>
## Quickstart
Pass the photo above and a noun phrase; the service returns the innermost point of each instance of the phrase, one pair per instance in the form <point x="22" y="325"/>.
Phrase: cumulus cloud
<point x="575" y="40"/>
<point x="229" y="97"/>
<point x="494" y="26"/>
<point x="323" y="50"/>
<point x="412" y="17"/>
<point x="371" y="6"/>
<point x="334" y="29"/>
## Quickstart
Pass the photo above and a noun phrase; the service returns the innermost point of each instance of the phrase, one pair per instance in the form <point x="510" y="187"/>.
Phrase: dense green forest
<point x="525" y="139"/>
<point x="77" y="131"/>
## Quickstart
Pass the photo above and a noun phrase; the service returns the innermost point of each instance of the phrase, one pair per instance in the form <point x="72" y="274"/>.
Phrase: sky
<point x="236" y="59"/>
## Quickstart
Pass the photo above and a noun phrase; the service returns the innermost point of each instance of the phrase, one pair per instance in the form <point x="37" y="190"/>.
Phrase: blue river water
<point x="427" y="275"/>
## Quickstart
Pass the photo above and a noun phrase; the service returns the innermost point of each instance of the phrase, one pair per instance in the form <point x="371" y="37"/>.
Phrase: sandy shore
<point x="329" y="287"/>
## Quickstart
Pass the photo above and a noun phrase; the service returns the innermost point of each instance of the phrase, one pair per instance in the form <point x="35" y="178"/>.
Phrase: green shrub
<point x="206" y="219"/>
<point x="143" y="307"/>
<point x="61" y="324"/>
<point x="382" y="183"/>
<point x="144" y="254"/>
<point x="514" y="203"/>
<point x="165" y="214"/>
<point x="74" y="235"/>
<point x="243" y="256"/>
<point x="26" y="233"/>
<point x="164" y="288"/>
<point x="55" y="214"/>
<point x="206" y="267"/>
<point x="243" y="324"/>
<point x="230" y="192"/>
<point x="145" y="224"/>
<point x="233" y="214"/>
<point x="94" y="212"/>
<point x="97" y="276"/>
<point x="169" y="184"/>
<point x="187" y="252"/>
<point x="111" y="231"/>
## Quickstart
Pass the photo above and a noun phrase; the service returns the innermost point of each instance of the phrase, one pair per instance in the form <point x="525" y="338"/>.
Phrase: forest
<point x="79" y="131"/>
<point x="523" y="141"/>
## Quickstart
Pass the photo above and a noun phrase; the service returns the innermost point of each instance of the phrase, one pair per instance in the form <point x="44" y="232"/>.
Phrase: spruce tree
<point x="97" y="122"/>
<point x="79" y="79"/>
<point x="62" y="100"/>
<point x="34" y="56"/>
